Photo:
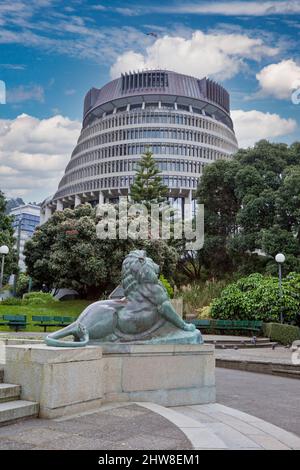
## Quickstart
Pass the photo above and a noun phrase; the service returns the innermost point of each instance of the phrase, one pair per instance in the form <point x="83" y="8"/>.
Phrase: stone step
<point x="223" y="427"/>
<point x="263" y="367"/>
<point x="245" y="345"/>
<point x="293" y="374"/>
<point x="16" y="410"/>
<point x="9" y="392"/>
<point x="238" y="340"/>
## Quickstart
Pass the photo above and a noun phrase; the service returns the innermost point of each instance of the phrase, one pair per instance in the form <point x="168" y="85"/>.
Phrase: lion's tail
<point x="81" y="337"/>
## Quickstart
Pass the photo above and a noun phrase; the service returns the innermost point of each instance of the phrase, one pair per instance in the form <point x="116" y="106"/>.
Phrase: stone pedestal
<point x="62" y="380"/>
<point x="167" y="374"/>
<point x="71" y="380"/>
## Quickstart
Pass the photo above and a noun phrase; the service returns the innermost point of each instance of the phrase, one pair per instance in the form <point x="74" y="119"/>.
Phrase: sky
<point x="52" y="52"/>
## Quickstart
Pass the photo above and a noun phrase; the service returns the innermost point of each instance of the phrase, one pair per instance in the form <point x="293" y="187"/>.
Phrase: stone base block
<point x="62" y="380"/>
<point x="166" y="374"/>
<point x="65" y="381"/>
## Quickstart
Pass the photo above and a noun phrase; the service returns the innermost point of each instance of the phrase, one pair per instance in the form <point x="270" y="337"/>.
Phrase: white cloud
<point x="13" y="66"/>
<point x="233" y="8"/>
<point x="70" y="91"/>
<point x="7" y="170"/>
<point x="251" y="126"/>
<point x="43" y="25"/>
<point x="128" y="61"/>
<point x="220" y="55"/>
<point x="258" y="8"/>
<point x="131" y="11"/>
<point x="25" y="93"/>
<point x="280" y="79"/>
<point x="34" y="154"/>
<point x="98" y="7"/>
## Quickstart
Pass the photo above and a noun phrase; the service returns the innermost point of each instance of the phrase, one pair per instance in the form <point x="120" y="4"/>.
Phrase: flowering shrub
<point x="257" y="298"/>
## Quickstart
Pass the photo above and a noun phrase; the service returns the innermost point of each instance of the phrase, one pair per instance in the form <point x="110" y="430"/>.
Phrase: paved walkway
<point x="222" y="427"/>
<point x="150" y="426"/>
<point x="274" y="399"/>
<point x="280" y="355"/>
<point x="129" y="426"/>
<point x="226" y="338"/>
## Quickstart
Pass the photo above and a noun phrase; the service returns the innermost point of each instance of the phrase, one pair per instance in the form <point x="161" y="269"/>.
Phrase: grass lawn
<point x="67" y="308"/>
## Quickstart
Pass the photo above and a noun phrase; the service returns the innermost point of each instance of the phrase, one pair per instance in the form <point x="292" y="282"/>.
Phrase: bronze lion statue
<point x="145" y="314"/>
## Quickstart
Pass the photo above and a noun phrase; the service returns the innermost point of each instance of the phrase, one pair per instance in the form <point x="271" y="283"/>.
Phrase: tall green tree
<point x="66" y="252"/>
<point x="217" y="193"/>
<point x="7" y="238"/>
<point x="148" y="187"/>
<point x="252" y="209"/>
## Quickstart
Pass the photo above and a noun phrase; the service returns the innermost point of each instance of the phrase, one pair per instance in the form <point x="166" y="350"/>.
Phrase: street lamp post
<point x="4" y="250"/>
<point x="18" y="254"/>
<point x="280" y="259"/>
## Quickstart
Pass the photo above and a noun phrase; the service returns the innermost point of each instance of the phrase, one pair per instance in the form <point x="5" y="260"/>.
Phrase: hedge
<point x="256" y="297"/>
<point x="31" y="298"/>
<point x="284" y="334"/>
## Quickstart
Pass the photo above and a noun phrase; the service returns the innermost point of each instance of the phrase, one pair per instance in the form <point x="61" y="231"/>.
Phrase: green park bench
<point x="243" y="325"/>
<point x="46" y="321"/>
<point x="17" y="322"/>
<point x="63" y="321"/>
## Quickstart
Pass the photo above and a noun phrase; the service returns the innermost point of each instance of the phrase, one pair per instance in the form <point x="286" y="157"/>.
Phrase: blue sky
<point x="52" y="52"/>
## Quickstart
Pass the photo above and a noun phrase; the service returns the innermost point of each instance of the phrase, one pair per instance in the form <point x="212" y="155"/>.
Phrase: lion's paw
<point x="189" y="327"/>
<point x="82" y="330"/>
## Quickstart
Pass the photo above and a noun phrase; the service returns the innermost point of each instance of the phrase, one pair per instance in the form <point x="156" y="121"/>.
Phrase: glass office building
<point x="25" y="219"/>
<point x="183" y="120"/>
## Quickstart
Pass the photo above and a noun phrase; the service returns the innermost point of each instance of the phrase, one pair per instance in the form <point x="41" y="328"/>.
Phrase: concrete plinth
<point x="166" y="374"/>
<point x="62" y="380"/>
<point x="71" y="380"/>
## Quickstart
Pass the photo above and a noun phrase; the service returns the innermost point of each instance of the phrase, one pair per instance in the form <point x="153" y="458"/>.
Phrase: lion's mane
<point x="140" y="274"/>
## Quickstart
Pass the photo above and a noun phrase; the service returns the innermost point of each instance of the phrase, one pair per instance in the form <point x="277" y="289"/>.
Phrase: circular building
<point x="184" y="121"/>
